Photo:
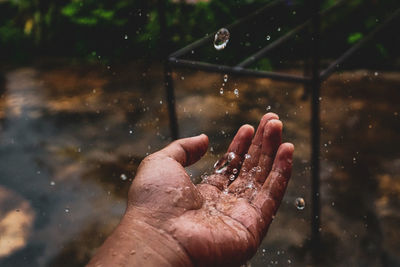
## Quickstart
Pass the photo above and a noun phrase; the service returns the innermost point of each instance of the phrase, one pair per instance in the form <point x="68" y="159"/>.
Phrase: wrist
<point x="136" y="242"/>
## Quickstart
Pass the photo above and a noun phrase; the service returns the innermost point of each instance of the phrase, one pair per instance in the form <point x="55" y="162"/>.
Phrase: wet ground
<point x="70" y="136"/>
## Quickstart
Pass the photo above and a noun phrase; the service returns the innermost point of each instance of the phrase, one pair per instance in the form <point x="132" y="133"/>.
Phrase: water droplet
<point x="221" y="39"/>
<point x="279" y="29"/>
<point x="232" y="177"/>
<point x="52" y="183"/>
<point x="130" y="132"/>
<point x="225" y="78"/>
<point x="300" y="203"/>
<point x="126" y="37"/>
<point x="182" y="78"/>
<point x="236" y="92"/>
<point x="221" y="91"/>
<point x="247" y="156"/>
<point x="268" y="108"/>
<point x="257" y="169"/>
<point x="268" y="37"/>
<point x="235" y="171"/>
<point x="376" y="73"/>
<point x="123" y="177"/>
<point x="222" y="164"/>
<point x="66" y="210"/>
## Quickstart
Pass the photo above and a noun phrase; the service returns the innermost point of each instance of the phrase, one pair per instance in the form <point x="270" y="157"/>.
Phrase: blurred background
<point x="82" y="102"/>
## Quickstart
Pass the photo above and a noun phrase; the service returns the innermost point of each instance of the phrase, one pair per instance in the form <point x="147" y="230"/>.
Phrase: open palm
<point x="221" y="221"/>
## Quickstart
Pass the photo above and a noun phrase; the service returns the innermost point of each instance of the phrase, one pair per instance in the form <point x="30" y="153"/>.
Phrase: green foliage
<point x="354" y="37"/>
<point x="77" y="28"/>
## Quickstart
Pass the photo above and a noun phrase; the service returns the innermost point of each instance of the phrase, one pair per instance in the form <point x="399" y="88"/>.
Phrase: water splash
<point x="300" y="203"/>
<point x="123" y="177"/>
<point x="221" y="39"/>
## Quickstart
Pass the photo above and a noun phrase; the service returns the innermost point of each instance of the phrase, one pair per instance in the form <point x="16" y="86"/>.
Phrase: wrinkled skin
<point x="220" y="222"/>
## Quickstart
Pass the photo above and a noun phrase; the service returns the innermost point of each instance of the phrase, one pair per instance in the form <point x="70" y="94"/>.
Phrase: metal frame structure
<point x="312" y="82"/>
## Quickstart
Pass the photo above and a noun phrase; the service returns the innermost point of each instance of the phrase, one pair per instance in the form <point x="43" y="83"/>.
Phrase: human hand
<point x="219" y="222"/>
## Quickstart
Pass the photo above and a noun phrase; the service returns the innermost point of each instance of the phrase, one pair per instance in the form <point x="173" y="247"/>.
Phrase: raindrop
<point x="268" y="37"/>
<point x="236" y="92"/>
<point x="225" y="78"/>
<point x="52" y="183"/>
<point x="268" y="108"/>
<point x="258" y="169"/>
<point x="247" y="156"/>
<point x="221" y="91"/>
<point x="221" y="39"/>
<point x="376" y="73"/>
<point x="66" y="210"/>
<point x="300" y="203"/>
<point x="235" y="171"/>
<point x="126" y="37"/>
<point x="232" y="177"/>
<point x="221" y="165"/>
<point x="279" y="29"/>
<point x="123" y="177"/>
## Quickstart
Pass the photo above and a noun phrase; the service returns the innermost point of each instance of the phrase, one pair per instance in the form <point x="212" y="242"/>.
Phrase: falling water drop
<point x="225" y="78"/>
<point x="66" y="210"/>
<point x="52" y="183"/>
<point x="236" y="92"/>
<point x="232" y="177"/>
<point x="221" y="91"/>
<point x="247" y="156"/>
<point x="221" y="39"/>
<point x="123" y="177"/>
<point x="268" y="37"/>
<point x="300" y="203"/>
<point x="235" y="171"/>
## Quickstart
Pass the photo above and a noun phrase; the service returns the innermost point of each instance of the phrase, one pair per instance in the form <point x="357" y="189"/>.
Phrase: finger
<point x="269" y="197"/>
<point x="239" y="146"/>
<point x="186" y="151"/>
<point x="242" y="140"/>
<point x="253" y="154"/>
<point x="255" y="147"/>
<point x="272" y="139"/>
<point x="237" y="149"/>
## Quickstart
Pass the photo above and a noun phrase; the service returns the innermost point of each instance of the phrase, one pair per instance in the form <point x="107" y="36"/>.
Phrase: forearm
<point x="136" y="243"/>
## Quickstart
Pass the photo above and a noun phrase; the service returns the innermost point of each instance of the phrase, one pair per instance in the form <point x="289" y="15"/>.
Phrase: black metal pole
<point x="315" y="131"/>
<point x="197" y="65"/>
<point x="169" y="87"/>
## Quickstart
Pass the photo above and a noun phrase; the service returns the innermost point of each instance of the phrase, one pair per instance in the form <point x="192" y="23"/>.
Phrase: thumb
<point x="186" y="151"/>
